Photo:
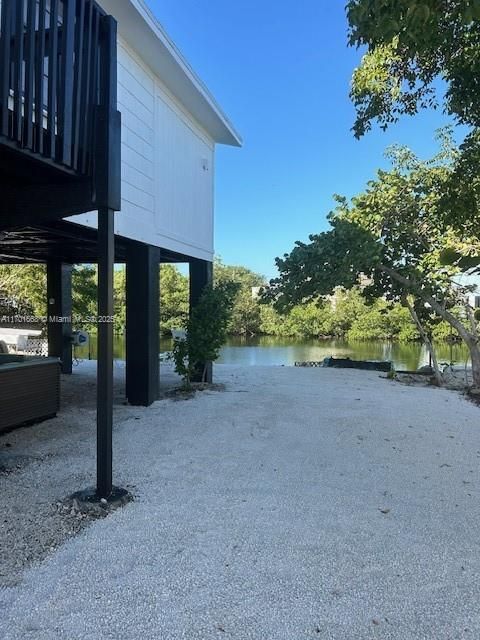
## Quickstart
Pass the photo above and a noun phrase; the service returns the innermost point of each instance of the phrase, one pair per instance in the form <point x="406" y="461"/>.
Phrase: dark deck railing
<point x="51" y="57"/>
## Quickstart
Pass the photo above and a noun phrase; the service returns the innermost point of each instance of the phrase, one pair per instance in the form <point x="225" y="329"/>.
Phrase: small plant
<point x="206" y="332"/>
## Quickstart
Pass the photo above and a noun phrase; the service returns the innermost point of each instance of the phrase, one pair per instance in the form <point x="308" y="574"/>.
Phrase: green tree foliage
<point x="119" y="299"/>
<point x="243" y="276"/>
<point x="206" y="331"/>
<point x="311" y="320"/>
<point x="246" y="319"/>
<point x="461" y="196"/>
<point x="423" y="53"/>
<point x="23" y="289"/>
<point x="316" y="319"/>
<point x="347" y="314"/>
<point x="383" y="321"/>
<point x="246" y="316"/>
<point x="410" y="44"/>
<point x="84" y="297"/>
<point x="174" y="298"/>
<point x="272" y="323"/>
<point x="395" y="233"/>
<point x="348" y="307"/>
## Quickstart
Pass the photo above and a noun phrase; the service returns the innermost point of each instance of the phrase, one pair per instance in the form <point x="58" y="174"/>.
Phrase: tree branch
<point x="436" y="306"/>
<point x="426" y="340"/>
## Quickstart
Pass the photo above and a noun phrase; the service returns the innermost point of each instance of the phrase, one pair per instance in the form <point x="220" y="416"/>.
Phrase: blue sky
<point x="281" y="71"/>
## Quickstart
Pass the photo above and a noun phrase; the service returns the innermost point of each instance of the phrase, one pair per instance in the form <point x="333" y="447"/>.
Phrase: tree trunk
<point x="470" y="339"/>
<point x="426" y="340"/>
<point x="471" y="318"/>
<point x="472" y="345"/>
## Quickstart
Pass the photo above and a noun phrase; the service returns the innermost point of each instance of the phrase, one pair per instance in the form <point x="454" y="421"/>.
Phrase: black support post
<point x="143" y="318"/>
<point x="107" y="188"/>
<point x="107" y="180"/>
<point x="201" y="275"/>
<point x="106" y="251"/>
<point x="59" y="313"/>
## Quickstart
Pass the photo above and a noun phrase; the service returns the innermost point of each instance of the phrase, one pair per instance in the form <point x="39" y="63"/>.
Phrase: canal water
<point x="265" y="351"/>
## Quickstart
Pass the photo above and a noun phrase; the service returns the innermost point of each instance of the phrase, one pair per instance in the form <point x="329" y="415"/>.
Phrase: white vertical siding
<point x="183" y="179"/>
<point x="167" y="166"/>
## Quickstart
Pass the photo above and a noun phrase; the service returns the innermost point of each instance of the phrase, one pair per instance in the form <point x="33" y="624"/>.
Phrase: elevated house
<point x="107" y="154"/>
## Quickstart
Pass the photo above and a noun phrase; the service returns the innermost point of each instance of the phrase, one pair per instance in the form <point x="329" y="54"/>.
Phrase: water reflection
<point x="286" y="351"/>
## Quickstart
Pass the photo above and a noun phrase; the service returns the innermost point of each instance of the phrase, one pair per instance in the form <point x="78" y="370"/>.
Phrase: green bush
<point x="206" y="332"/>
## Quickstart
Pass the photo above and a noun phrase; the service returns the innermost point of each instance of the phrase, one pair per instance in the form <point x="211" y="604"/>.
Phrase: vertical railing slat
<point x="95" y="92"/>
<point x="85" y="99"/>
<point x="65" y="108"/>
<point x="92" y="92"/>
<point x="52" y="78"/>
<point x="79" y="73"/>
<point x="29" y="74"/>
<point x="6" y="26"/>
<point x="40" y="76"/>
<point x="18" y="71"/>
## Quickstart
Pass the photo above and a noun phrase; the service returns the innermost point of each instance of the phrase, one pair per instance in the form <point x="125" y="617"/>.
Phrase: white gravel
<point x="299" y="503"/>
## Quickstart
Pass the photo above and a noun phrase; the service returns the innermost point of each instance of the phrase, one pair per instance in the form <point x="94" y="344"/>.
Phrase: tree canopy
<point x="411" y="44"/>
<point x="422" y="53"/>
<point x="245" y="318"/>
<point x="174" y="298"/>
<point x="348" y="316"/>
<point x="397" y="236"/>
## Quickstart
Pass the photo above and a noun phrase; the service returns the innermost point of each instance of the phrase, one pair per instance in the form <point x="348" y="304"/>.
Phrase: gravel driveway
<point x="296" y="504"/>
